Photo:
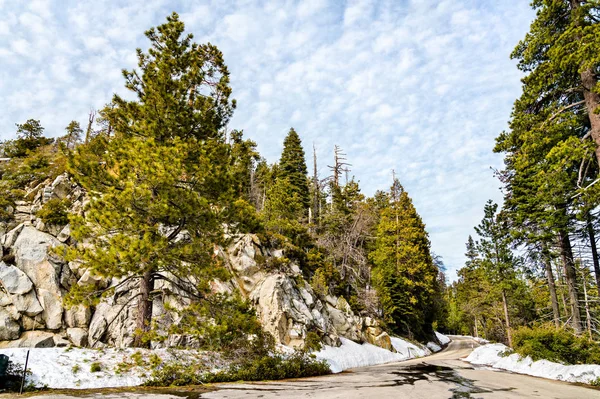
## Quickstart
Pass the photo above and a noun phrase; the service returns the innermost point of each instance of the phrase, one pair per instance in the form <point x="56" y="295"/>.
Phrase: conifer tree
<point x="403" y="273"/>
<point x="497" y="257"/>
<point x="74" y="132"/>
<point x="161" y="182"/>
<point x="292" y="167"/>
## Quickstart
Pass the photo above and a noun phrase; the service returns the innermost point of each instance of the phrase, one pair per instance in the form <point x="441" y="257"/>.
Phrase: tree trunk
<point x="552" y="289"/>
<point x="588" y="317"/>
<point x="592" y="103"/>
<point x="592" y="99"/>
<point x="592" y="235"/>
<point x="561" y="281"/>
<point x="475" y="329"/>
<point x="144" y="314"/>
<point x="566" y="253"/>
<point x="506" y="319"/>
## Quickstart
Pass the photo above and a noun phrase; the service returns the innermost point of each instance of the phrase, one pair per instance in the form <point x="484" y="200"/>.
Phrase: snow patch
<point x="489" y="355"/>
<point x="71" y="367"/>
<point x="434" y="347"/>
<point x="442" y="338"/>
<point x="352" y="355"/>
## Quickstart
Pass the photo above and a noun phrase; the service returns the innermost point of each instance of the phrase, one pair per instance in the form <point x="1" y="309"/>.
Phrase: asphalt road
<point x="442" y="375"/>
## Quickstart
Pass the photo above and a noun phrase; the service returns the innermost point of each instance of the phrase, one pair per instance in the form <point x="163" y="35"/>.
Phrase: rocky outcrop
<point x="287" y="306"/>
<point x="34" y="280"/>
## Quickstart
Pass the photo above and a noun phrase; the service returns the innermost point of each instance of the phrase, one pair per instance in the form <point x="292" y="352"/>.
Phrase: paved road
<point x="442" y="375"/>
<point x="439" y="376"/>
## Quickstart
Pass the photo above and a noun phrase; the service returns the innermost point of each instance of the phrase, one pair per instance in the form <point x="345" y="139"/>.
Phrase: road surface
<point x="442" y="375"/>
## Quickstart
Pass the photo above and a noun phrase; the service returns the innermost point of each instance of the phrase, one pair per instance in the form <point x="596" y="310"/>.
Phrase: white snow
<point x="408" y="349"/>
<point x="489" y="355"/>
<point x="434" y="347"/>
<point x="71" y="368"/>
<point x="352" y="355"/>
<point x="442" y="338"/>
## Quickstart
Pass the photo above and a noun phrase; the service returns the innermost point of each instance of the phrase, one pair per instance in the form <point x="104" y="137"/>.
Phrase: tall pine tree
<point x="160" y="184"/>
<point x="403" y="270"/>
<point x="292" y="167"/>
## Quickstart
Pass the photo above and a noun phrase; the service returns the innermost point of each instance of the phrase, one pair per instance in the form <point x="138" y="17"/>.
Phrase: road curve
<point x="442" y="375"/>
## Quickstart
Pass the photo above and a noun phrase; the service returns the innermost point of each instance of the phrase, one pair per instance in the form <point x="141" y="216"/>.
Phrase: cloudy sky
<point x="418" y="86"/>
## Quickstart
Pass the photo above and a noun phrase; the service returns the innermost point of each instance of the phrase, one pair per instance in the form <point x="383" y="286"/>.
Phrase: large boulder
<point x="27" y="304"/>
<point x="241" y="257"/>
<point x="14" y="280"/>
<point x="53" y="310"/>
<point x="9" y="327"/>
<point x="32" y="256"/>
<point x="78" y="316"/>
<point x="32" y="339"/>
<point x="78" y="336"/>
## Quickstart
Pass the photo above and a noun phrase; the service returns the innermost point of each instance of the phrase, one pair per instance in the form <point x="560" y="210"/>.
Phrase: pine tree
<point x="403" y="270"/>
<point x="551" y="162"/>
<point x="30" y="137"/>
<point x="73" y="135"/>
<point x="160" y="183"/>
<point x="292" y="167"/>
<point x="497" y="257"/>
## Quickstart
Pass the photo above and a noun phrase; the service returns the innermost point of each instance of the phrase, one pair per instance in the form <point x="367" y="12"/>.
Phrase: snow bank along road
<point x="442" y="375"/>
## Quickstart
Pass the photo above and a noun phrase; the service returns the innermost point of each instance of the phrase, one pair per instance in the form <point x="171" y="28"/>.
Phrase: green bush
<point x="312" y="342"/>
<point x="95" y="367"/>
<point x="54" y="212"/>
<point x="269" y="367"/>
<point x="556" y="345"/>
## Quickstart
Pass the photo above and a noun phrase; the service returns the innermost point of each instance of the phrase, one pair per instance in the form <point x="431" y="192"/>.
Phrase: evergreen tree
<point x="161" y="182"/>
<point x="497" y="257"/>
<point x="30" y="137"/>
<point x="292" y="167"/>
<point x="73" y="136"/>
<point x="550" y="158"/>
<point x="403" y="272"/>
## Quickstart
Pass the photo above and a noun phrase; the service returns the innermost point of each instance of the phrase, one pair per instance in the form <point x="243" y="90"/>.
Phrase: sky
<point x="421" y="87"/>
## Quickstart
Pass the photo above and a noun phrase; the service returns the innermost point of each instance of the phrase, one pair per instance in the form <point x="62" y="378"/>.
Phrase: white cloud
<point x="419" y="86"/>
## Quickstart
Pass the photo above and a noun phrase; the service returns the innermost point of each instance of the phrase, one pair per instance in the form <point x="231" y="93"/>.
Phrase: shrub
<point x="556" y="345"/>
<point x="268" y="367"/>
<point x="312" y="342"/>
<point x="95" y="367"/>
<point x="54" y="212"/>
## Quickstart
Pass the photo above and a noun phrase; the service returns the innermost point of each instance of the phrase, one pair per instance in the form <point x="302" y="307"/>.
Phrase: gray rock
<point x="14" y="280"/>
<point x="61" y="187"/>
<point x="9" y="238"/>
<point x="9" y="328"/>
<point x="31" y="255"/>
<point x="78" y="336"/>
<point x="52" y="304"/>
<point x="64" y="234"/>
<point x="27" y="304"/>
<point x="34" y="339"/>
<point x="78" y="316"/>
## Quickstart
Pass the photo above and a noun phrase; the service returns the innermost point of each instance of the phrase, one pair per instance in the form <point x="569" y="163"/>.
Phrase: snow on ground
<point x="434" y="347"/>
<point x="408" y="349"/>
<point x="72" y="368"/>
<point x="442" y="338"/>
<point x="490" y="355"/>
<point x="352" y="355"/>
<point x="477" y="339"/>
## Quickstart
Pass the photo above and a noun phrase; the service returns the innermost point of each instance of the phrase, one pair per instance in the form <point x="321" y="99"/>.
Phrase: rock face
<point x="287" y="306"/>
<point x="35" y="280"/>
